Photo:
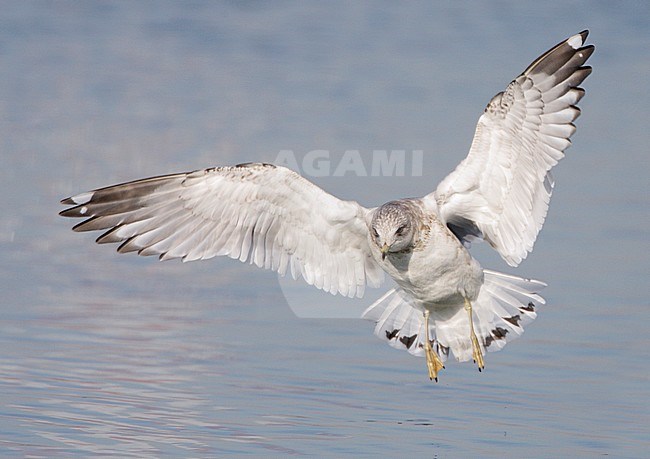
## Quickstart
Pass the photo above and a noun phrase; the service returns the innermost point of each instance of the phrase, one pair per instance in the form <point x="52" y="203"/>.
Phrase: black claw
<point x="480" y="369"/>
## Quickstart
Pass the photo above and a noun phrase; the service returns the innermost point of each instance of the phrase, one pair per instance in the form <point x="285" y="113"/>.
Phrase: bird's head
<point x="392" y="228"/>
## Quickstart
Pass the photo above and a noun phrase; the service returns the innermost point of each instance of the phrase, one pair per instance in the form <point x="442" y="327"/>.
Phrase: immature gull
<point x="444" y="300"/>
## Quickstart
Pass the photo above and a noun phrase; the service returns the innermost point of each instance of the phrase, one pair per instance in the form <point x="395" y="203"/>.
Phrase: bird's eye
<point x="400" y="230"/>
<point x="375" y="233"/>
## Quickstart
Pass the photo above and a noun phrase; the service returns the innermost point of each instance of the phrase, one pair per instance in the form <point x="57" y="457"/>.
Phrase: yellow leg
<point x="433" y="361"/>
<point x="477" y="354"/>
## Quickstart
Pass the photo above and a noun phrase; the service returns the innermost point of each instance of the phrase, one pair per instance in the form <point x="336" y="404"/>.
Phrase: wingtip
<point x="578" y="39"/>
<point x="82" y="198"/>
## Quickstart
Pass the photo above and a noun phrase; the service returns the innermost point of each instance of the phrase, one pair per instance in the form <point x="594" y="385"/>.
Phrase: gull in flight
<point x="443" y="300"/>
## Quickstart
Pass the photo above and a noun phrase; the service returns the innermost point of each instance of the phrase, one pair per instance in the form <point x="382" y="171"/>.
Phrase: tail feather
<point x="503" y="307"/>
<point x="399" y="321"/>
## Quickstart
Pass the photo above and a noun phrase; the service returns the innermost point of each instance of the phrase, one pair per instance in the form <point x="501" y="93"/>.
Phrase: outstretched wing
<point x="501" y="191"/>
<point x="259" y="212"/>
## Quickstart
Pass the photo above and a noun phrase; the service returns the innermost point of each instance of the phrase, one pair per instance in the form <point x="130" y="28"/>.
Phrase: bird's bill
<point x="384" y="250"/>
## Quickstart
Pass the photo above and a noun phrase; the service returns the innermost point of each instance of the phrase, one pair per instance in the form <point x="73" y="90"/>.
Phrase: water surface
<point x="107" y="355"/>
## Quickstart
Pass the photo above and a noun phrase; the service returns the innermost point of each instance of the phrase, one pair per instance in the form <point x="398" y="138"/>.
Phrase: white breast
<point x="438" y="272"/>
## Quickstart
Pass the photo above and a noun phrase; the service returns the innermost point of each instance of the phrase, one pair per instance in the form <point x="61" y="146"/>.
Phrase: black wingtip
<point x="587" y="51"/>
<point x="80" y="227"/>
<point x="73" y="212"/>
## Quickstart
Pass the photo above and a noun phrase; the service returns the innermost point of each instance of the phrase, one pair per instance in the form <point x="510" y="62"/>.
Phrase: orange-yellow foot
<point x="477" y="353"/>
<point x="434" y="364"/>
